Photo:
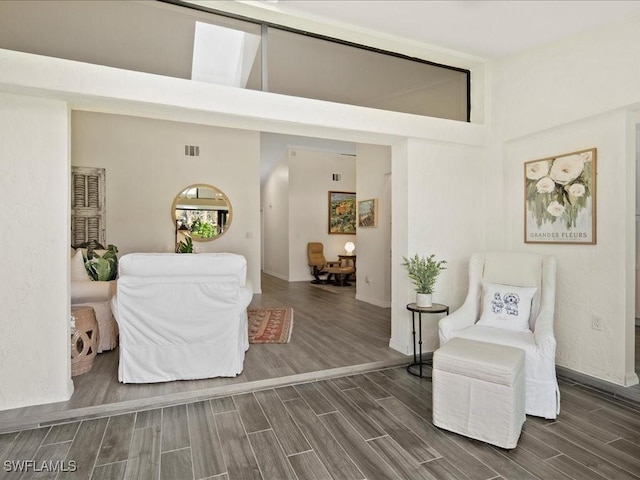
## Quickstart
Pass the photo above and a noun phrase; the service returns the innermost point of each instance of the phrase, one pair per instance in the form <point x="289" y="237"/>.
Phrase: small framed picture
<point x="560" y="199"/>
<point x="368" y="213"/>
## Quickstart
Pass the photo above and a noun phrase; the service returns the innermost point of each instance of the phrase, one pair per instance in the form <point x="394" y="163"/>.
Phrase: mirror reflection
<point x="201" y="211"/>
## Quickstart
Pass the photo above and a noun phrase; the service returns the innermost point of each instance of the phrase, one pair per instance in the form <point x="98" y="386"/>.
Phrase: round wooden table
<point x="84" y="339"/>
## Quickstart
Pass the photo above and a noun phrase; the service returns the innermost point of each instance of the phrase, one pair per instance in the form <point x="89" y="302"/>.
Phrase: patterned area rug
<point x="270" y="325"/>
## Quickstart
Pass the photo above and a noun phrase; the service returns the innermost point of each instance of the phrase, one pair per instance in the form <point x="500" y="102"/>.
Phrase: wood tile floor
<point x="331" y="331"/>
<point x="366" y="426"/>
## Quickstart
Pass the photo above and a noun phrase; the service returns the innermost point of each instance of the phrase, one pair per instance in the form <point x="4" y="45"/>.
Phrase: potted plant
<point x="423" y="272"/>
<point x="185" y="246"/>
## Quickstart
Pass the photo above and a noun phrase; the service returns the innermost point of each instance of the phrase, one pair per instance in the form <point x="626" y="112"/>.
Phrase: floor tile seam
<point x="275" y="434"/>
<point x="173" y="450"/>
<point x="328" y="431"/>
<point x="586" y="447"/>
<point x="99" y="449"/>
<point x="375" y="452"/>
<point x="590" y="451"/>
<point x="378" y="438"/>
<point x="407" y="406"/>
<point x="65" y="423"/>
<point x="264" y="413"/>
<point x="614" y="440"/>
<point x="215" y="425"/>
<point x="300" y="453"/>
<point x="412" y="430"/>
<point x="430" y="460"/>
<point x="193" y="467"/>
<point x="358" y="409"/>
<point x="246" y="434"/>
<point x="110" y="463"/>
<point x="503" y="453"/>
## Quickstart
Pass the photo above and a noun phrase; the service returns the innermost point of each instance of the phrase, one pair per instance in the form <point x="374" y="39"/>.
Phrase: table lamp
<point x="349" y="247"/>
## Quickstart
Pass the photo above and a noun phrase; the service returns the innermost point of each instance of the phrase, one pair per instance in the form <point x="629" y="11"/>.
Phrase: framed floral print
<point x="342" y="213"/>
<point x="560" y="199"/>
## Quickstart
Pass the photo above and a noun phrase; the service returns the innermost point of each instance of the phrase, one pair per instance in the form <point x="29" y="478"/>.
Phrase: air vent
<point x="337" y="177"/>
<point x="192" y="150"/>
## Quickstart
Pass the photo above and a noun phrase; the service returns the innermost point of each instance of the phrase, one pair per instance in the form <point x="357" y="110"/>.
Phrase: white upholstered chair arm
<point x="462" y="318"/>
<point x="543" y="334"/>
<point x="88" y="292"/>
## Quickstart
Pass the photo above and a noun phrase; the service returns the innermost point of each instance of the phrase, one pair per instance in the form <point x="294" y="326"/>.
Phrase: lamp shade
<point x="349" y="247"/>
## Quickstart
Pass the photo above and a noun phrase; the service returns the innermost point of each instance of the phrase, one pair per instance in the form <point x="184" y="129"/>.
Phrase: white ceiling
<point x="490" y="29"/>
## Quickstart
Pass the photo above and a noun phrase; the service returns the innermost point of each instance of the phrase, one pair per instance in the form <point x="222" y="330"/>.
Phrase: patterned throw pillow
<point x="506" y="306"/>
<point x="101" y="263"/>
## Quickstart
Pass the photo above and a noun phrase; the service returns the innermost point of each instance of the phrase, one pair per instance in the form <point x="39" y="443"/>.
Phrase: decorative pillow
<point x="78" y="271"/>
<point x="102" y="264"/>
<point x="506" y="306"/>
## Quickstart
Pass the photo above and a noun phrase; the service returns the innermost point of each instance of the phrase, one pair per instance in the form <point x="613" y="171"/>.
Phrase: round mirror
<point x="201" y="211"/>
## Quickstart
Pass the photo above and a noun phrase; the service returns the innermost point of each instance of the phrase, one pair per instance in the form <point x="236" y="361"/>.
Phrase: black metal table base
<point x="422" y="370"/>
<point x="417" y="368"/>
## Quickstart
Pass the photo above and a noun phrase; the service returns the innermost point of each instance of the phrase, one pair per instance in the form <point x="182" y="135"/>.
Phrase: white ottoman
<point x="478" y="391"/>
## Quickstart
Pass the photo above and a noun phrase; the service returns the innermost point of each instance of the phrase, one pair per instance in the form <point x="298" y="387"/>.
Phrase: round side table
<point x="84" y="339"/>
<point x="418" y="363"/>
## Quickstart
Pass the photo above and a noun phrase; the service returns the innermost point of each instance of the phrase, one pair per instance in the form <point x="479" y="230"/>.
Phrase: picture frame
<point x="560" y="199"/>
<point x="368" y="213"/>
<point x="342" y="213"/>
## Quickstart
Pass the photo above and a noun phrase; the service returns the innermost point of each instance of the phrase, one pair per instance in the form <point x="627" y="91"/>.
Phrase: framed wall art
<point x="342" y="213"/>
<point x="368" y="213"/>
<point x="560" y="199"/>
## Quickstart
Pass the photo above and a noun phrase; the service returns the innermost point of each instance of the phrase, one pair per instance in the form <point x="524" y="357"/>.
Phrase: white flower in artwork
<point x="577" y="190"/>
<point x="545" y="185"/>
<point x="537" y="170"/>
<point x="566" y="169"/>
<point x="555" y="209"/>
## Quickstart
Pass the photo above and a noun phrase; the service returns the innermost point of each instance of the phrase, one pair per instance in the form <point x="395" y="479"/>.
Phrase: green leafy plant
<point x="423" y="272"/>
<point x="203" y="229"/>
<point x="185" y="246"/>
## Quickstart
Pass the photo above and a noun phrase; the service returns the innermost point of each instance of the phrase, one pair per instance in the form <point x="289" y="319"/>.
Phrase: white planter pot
<point x="424" y="300"/>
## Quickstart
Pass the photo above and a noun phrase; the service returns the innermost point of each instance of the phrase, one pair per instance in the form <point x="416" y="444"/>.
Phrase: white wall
<point x="103" y="89"/>
<point x="35" y="363"/>
<point x="572" y="95"/>
<point x="275" y="208"/>
<point x="146" y="168"/>
<point x="440" y="187"/>
<point x="310" y="182"/>
<point x="373" y="245"/>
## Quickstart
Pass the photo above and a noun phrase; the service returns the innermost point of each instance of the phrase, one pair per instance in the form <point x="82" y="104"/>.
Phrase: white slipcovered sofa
<point x="181" y="316"/>
<point x="526" y="270"/>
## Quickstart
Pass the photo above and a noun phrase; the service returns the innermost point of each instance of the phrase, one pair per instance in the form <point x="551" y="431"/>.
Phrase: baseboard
<point x="277" y="275"/>
<point x="630" y="394"/>
<point x="400" y="347"/>
<point x="374" y="301"/>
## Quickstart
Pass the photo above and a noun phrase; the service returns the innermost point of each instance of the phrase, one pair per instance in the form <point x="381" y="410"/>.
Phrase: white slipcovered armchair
<point x="181" y="316"/>
<point x="539" y="344"/>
